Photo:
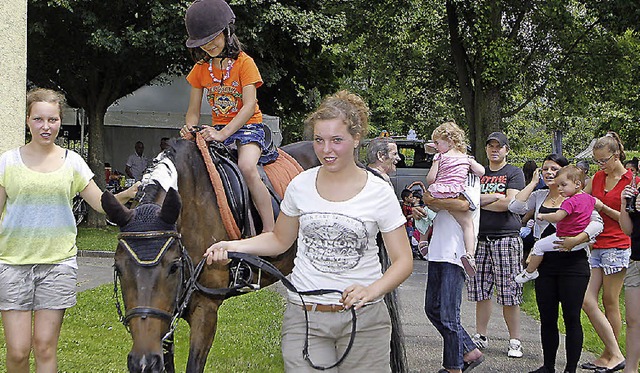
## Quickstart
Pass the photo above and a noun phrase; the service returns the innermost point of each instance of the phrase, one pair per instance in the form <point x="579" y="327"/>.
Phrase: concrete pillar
<point x="13" y="72"/>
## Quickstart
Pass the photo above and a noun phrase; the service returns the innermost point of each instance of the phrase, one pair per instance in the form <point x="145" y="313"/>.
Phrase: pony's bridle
<point x="185" y="268"/>
<point x="238" y="286"/>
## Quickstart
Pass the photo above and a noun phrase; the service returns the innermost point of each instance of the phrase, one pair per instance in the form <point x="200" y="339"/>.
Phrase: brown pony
<point x="161" y="242"/>
<point x="150" y="269"/>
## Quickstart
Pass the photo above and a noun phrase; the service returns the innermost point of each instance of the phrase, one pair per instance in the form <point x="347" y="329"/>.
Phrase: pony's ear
<point x="115" y="211"/>
<point x="171" y="207"/>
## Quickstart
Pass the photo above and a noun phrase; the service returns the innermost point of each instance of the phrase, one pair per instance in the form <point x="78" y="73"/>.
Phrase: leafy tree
<point x="574" y="61"/>
<point x="99" y="51"/>
<point x="527" y="68"/>
<point x="289" y="39"/>
<point x="617" y="15"/>
<point x="507" y="54"/>
<point x="397" y="63"/>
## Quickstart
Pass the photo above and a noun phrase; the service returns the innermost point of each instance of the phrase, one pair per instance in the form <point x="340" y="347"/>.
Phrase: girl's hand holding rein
<point x="186" y="132"/>
<point x="211" y="134"/>
<point x="356" y="296"/>
<point x="131" y="192"/>
<point x="218" y="253"/>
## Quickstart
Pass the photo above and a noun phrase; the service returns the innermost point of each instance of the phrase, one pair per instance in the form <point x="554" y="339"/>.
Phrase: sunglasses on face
<point x="603" y="161"/>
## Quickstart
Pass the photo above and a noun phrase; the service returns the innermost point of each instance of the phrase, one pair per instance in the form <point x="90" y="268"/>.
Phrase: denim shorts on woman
<point x="252" y="133"/>
<point x="610" y="260"/>
<point x="632" y="278"/>
<point x="37" y="286"/>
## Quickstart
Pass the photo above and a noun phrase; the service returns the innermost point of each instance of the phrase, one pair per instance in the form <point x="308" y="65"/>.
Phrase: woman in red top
<point x="610" y="254"/>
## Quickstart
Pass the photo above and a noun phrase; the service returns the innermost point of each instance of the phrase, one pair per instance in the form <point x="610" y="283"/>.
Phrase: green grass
<point x="97" y="239"/>
<point x="93" y="340"/>
<point x="247" y="340"/>
<point x="591" y="340"/>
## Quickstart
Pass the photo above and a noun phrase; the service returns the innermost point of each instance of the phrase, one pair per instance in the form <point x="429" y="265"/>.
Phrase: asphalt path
<point x="422" y="341"/>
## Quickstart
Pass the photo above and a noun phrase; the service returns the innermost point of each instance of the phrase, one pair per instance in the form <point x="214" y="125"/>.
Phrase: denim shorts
<point x="37" y="286"/>
<point x="610" y="260"/>
<point x="632" y="278"/>
<point x="252" y="133"/>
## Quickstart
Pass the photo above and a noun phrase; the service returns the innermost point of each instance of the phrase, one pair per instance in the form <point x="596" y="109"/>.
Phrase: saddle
<point x="238" y="213"/>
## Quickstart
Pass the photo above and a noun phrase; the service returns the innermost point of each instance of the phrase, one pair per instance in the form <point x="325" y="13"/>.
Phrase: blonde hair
<point x="344" y="105"/>
<point x="450" y="132"/>
<point x="45" y="95"/>
<point x="573" y="173"/>
<point x="611" y="141"/>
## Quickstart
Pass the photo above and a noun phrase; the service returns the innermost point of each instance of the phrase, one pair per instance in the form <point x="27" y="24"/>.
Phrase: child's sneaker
<point x="515" y="348"/>
<point x="469" y="264"/>
<point x="525" y="276"/>
<point x="480" y="340"/>
<point x="423" y="248"/>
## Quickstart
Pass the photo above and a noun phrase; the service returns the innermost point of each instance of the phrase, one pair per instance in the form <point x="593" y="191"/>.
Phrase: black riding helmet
<point x="206" y="19"/>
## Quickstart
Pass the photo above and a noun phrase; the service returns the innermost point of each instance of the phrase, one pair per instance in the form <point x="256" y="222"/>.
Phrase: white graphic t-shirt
<point x="337" y="240"/>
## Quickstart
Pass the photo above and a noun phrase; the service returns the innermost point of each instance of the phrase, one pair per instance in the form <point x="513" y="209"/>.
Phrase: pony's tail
<point x="398" y="352"/>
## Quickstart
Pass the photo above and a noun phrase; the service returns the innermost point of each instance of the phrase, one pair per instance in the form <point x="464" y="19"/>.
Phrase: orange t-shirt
<point x="226" y="100"/>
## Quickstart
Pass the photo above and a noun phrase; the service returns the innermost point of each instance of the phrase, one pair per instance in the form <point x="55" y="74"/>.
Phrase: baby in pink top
<point x="447" y="178"/>
<point x="572" y="218"/>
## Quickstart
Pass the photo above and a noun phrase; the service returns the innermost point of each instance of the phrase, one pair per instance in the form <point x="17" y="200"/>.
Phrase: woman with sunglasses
<point x="610" y="254"/>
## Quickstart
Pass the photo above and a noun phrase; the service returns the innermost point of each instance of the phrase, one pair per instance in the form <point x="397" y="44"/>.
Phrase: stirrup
<point x="240" y="276"/>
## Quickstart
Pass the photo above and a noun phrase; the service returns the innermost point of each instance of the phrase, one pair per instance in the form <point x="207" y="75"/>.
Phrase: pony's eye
<point x="174" y="267"/>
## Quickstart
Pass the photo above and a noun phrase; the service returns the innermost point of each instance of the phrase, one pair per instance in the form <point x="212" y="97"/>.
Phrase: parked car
<point x="414" y="165"/>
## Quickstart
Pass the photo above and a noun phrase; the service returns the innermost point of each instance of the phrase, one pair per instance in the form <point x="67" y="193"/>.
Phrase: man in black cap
<point x="499" y="252"/>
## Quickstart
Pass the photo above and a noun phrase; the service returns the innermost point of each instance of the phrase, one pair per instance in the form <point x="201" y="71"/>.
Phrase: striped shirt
<point x="37" y="224"/>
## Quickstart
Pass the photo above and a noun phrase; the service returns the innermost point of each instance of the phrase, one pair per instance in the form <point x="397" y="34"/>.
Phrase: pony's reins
<point x="239" y="285"/>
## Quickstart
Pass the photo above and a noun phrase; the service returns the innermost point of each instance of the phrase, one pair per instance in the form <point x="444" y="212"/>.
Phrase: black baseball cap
<point x="500" y="137"/>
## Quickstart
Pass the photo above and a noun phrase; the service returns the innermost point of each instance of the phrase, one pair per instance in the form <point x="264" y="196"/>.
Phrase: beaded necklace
<point x="225" y="74"/>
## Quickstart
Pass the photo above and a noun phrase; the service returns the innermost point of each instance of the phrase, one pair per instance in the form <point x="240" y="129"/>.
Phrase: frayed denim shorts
<point x="610" y="260"/>
<point x="252" y="133"/>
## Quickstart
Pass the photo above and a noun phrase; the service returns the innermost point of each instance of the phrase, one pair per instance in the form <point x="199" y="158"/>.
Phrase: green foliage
<point x="291" y="43"/>
<point x="98" y="51"/>
<point x="528" y="68"/>
<point x="619" y="15"/>
<point x="554" y="59"/>
<point x="248" y="337"/>
<point x="393" y="54"/>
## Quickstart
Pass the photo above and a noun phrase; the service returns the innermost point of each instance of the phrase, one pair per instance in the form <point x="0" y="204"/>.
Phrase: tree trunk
<point x="463" y="73"/>
<point x="96" y="159"/>
<point x="482" y="105"/>
<point x="487" y="119"/>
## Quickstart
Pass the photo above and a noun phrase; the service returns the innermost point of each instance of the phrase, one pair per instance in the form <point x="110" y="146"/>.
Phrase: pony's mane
<point x="161" y="175"/>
